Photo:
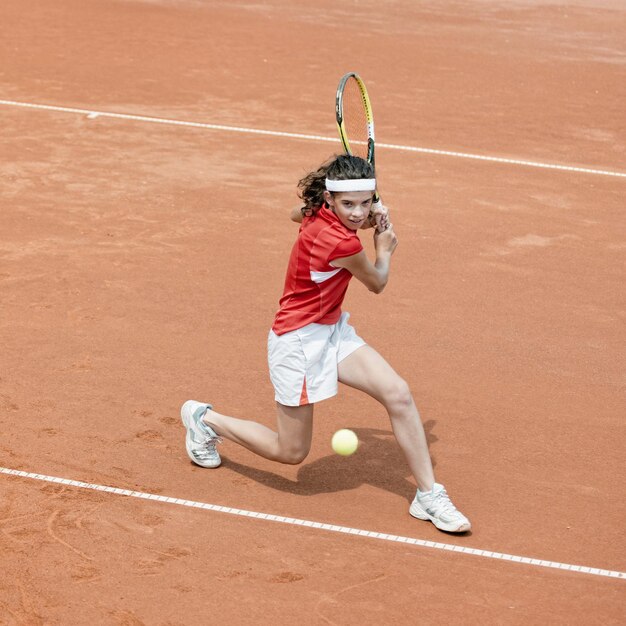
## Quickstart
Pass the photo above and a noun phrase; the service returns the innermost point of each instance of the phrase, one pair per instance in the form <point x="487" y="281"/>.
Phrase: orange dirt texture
<point x="141" y="265"/>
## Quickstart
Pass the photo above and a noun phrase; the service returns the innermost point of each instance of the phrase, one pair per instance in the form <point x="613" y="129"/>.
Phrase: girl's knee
<point x="294" y="455"/>
<point x="397" y="395"/>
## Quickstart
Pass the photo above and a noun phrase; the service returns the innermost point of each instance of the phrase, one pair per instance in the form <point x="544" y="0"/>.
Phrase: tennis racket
<point x="355" y="120"/>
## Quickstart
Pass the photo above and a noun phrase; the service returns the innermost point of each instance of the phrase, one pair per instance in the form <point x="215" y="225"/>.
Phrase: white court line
<point x="92" y="114"/>
<point x="579" y="569"/>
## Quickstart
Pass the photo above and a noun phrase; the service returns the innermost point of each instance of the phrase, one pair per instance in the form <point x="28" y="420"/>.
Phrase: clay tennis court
<point x="144" y="236"/>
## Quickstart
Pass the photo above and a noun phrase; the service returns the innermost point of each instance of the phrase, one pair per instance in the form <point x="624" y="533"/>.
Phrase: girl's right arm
<point x="296" y="215"/>
<point x="373" y="275"/>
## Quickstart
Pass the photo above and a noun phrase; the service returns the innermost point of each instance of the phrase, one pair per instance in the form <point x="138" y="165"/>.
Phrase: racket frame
<point x="369" y="118"/>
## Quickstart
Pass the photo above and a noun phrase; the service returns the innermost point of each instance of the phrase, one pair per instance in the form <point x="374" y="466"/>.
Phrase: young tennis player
<point x="312" y="346"/>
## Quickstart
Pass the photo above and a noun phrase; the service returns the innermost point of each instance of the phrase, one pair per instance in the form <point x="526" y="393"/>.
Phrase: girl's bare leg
<point x="290" y="443"/>
<point x="368" y="371"/>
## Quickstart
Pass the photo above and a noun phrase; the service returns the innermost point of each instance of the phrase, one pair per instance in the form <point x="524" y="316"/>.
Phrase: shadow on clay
<point x="378" y="462"/>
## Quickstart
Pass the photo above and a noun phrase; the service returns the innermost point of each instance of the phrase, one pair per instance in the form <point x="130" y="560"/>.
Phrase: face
<point x="351" y="207"/>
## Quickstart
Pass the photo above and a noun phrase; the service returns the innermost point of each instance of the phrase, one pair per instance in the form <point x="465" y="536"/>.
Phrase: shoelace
<point x="442" y="503"/>
<point x="210" y="442"/>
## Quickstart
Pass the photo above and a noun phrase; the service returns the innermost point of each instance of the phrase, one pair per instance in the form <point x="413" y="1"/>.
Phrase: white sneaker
<point x="201" y="440"/>
<point x="436" y="506"/>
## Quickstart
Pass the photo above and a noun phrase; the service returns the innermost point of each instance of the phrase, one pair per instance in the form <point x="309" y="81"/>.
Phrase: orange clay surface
<point x="141" y="265"/>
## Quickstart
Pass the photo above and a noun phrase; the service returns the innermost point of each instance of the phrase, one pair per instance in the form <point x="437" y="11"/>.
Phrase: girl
<point x="312" y="347"/>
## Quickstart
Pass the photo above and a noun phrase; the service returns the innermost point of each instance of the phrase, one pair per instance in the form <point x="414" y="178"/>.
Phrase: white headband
<point x="353" y="184"/>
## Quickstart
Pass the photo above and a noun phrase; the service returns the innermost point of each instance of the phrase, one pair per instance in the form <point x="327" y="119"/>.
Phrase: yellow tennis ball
<point x="344" y="442"/>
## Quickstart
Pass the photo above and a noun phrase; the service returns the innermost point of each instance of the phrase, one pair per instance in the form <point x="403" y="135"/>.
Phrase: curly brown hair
<point x="342" y="167"/>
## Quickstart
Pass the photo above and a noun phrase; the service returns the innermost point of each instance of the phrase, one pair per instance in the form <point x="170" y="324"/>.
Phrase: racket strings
<point x="355" y="119"/>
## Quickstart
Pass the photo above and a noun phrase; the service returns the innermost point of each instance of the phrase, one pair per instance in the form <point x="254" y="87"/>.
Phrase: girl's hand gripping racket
<point x="355" y="121"/>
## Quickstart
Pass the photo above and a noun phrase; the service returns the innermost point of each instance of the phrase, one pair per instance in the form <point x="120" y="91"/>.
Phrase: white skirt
<point x="303" y="363"/>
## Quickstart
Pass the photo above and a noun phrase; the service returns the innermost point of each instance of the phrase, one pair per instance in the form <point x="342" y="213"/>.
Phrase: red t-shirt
<point x="314" y="289"/>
